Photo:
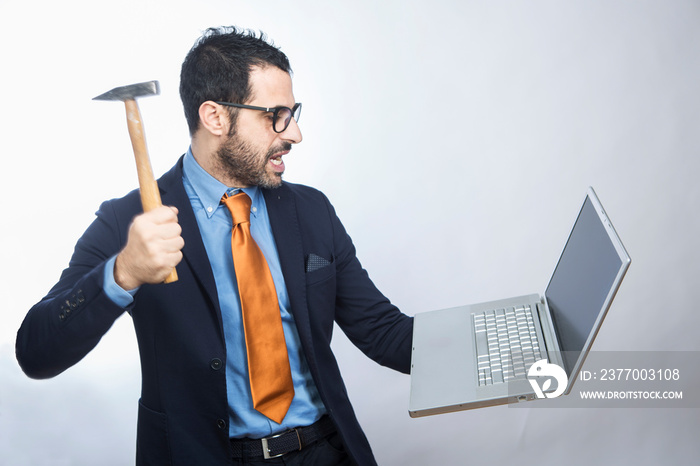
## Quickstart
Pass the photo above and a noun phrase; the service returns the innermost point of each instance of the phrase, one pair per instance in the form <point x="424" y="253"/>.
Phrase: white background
<point x="456" y="140"/>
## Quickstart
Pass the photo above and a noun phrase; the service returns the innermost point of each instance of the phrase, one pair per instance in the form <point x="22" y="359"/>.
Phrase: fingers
<point x="159" y="216"/>
<point x="152" y="249"/>
<point x="165" y="221"/>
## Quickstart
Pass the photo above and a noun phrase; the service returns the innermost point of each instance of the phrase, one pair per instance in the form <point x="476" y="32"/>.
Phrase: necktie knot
<point x="239" y="206"/>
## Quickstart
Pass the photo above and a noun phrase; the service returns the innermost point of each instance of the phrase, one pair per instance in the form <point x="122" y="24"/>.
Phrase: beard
<point x="238" y="160"/>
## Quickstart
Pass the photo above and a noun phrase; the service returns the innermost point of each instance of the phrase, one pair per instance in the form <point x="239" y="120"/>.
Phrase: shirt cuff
<point x="116" y="293"/>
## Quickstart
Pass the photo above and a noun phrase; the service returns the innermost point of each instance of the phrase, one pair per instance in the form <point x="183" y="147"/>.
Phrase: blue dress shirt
<point x="215" y="224"/>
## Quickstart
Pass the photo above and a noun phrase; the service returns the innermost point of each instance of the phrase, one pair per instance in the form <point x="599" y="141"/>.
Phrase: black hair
<point x="218" y="67"/>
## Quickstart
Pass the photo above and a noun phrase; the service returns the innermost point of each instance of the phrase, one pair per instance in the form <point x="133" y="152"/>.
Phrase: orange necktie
<point x="268" y="363"/>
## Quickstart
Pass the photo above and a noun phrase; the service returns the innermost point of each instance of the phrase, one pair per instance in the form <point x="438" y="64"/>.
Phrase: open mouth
<point x="277" y="163"/>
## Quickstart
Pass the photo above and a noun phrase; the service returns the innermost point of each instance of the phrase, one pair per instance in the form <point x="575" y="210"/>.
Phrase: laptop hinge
<point x="551" y="342"/>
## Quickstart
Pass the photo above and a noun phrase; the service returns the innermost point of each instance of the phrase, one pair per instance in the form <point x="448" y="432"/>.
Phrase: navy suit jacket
<point x="183" y="410"/>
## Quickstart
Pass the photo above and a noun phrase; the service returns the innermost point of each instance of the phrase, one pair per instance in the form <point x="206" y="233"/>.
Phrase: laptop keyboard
<point x="506" y="344"/>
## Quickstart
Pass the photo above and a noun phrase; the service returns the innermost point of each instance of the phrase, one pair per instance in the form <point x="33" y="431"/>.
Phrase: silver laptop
<point x="490" y="353"/>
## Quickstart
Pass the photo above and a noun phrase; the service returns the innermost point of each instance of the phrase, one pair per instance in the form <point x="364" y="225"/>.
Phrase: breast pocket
<point x="321" y="291"/>
<point x="315" y="263"/>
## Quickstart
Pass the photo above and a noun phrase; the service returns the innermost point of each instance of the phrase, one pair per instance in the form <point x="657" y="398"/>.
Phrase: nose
<point x="292" y="133"/>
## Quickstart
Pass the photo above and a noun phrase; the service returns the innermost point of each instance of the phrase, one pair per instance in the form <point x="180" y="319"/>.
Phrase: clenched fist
<point x="152" y="249"/>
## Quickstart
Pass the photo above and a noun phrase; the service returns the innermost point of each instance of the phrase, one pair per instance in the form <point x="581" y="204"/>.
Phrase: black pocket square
<point x="315" y="262"/>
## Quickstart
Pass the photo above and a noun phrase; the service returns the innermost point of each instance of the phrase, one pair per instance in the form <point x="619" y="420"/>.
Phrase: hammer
<point x="148" y="188"/>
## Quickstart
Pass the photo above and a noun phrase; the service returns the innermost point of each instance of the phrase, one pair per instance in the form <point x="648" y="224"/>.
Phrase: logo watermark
<point x="546" y="371"/>
<point x="615" y="379"/>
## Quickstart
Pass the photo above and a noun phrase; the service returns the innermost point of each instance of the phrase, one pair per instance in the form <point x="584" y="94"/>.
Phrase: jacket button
<point x="215" y="364"/>
<point x="221" y="423"/>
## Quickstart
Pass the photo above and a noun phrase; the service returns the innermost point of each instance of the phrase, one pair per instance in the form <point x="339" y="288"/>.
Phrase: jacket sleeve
<point x="365" y="315"/>
<point x="69" y="322"/>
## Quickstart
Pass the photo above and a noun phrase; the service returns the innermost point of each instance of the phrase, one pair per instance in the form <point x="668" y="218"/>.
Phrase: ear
<point x="214" y="118"/>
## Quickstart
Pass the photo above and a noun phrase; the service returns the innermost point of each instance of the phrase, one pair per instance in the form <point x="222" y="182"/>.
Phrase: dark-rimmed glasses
<point x="281" y="116"/>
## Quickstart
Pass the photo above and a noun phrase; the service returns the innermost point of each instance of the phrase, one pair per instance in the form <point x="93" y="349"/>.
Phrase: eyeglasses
<point x="281" y="116"/>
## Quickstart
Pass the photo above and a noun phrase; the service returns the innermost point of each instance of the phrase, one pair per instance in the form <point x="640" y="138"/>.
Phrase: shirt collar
<point x="210" y="190"/>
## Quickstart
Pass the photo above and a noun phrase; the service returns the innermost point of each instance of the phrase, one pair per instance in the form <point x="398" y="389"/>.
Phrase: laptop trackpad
<point x="443" y="371"/>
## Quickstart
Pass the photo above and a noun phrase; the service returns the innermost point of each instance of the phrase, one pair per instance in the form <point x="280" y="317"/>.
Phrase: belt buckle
<point x="266" y="449"/>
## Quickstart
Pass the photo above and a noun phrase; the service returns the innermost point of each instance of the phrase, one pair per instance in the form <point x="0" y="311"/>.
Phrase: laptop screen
<point x="584" y="281"/>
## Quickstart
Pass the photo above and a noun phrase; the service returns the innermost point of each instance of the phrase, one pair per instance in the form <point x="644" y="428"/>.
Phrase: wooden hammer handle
<point x="148" y="187"/>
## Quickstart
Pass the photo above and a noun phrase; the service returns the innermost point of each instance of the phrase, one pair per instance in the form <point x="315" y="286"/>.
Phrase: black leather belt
<point x="278" y="445"/>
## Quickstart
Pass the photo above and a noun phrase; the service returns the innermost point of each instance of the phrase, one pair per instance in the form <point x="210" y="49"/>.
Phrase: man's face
<point x="252" y="155"/>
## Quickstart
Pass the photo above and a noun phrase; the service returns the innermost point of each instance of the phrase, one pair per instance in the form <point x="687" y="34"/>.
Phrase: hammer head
<point x="131" y="92"/>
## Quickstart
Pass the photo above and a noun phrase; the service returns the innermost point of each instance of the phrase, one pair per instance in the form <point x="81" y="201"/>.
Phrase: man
<point x="201" y="401"/>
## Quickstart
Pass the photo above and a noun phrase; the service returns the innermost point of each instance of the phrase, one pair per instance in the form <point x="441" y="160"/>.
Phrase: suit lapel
<point x="284" y="222"/>
<point x="195" y="255"/>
